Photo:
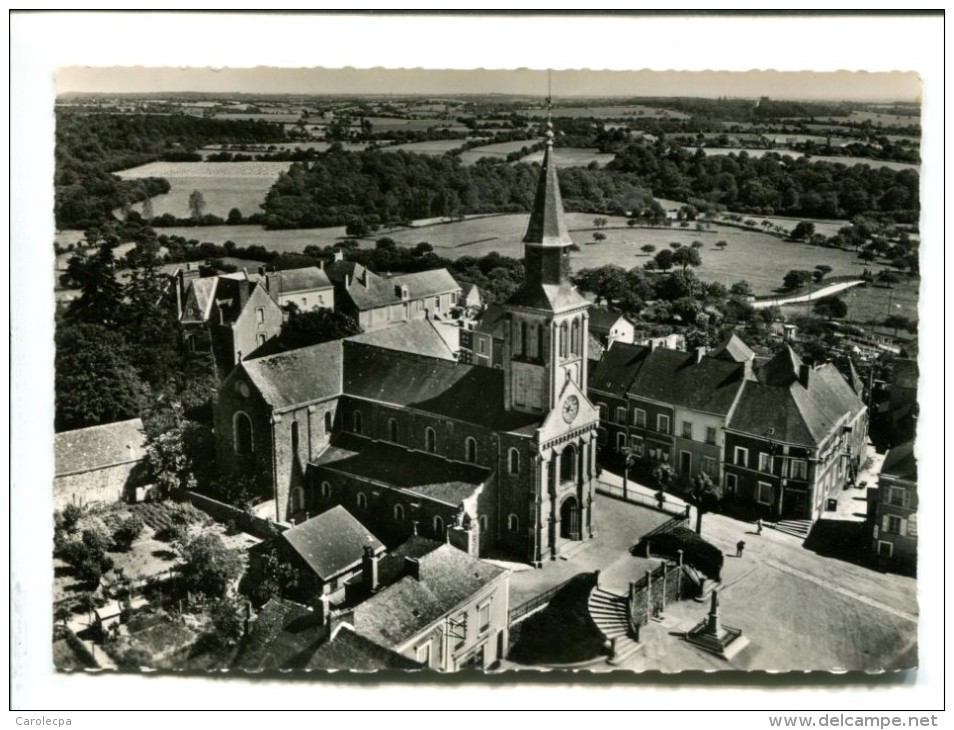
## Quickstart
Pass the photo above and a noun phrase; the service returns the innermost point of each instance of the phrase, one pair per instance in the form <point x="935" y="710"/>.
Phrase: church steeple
<point x="547" y="226"/>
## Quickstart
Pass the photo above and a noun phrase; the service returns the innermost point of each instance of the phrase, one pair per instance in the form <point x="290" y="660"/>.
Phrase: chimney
<point x="804" y="374"/>
<point x="245" y="271"/>
<point x="322" y="609"/>
<point x="261" y="271"/>
<point x="369" y="568"/>
<point x="412" y="566"/>
<point x="700" y="353"/>
<point x="273" y="282"/>
<point x="339" y="255"/>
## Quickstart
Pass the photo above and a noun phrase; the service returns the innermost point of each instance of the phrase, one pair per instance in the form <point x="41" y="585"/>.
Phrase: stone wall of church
<point x="236" y="397"/>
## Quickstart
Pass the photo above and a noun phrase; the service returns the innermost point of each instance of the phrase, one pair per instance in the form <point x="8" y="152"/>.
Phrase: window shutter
<point x="904" y="527"/>
<point x="913" y="526"/>
<point x="886" y="522"/>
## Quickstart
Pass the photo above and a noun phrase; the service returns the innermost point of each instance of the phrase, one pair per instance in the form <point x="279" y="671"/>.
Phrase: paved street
<point x="801" y="609"/>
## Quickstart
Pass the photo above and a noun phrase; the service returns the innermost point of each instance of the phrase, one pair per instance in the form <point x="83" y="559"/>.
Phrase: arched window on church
<point x="327" y="421"/>
<point x="294" y="438"/>
<point x="357" y="421"/>
<point x="430" y="440"/>
<point x="482" y="521"/>
<point x="362" y="501"/>
<point x="514" y="462"/>
<point x="563" y="340"/>
<point x="575" y="337"/>
<point x="326" y="490"/>
<point x="541" y="354"/>
<point x="398" y="513"/>
<point x="392" y="430"/>
<point x="568" y="464"/>
<point x="242" y="427"/>
<point x="513" y="523"/>
<point x="438" y="528"/>
<point x="297" y="500"/>
<point x="470" y="449"/>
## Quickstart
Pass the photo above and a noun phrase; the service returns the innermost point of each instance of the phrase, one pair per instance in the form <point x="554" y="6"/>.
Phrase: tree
<point x="721" y="245"/>
<point x="599" y="222"/>
<point x="313" y="327"/>
<point x="127" y="533"/>
<point x="234" y="217"/>
<point x="597" y="236"/>
<point x="686" y="257"/>
<point x="663" y="260"/>
<point x="821" y="271"/>
<point x="609" y="283"/>
<point x="101" y="299"/>
<point x="196" y="204"/>
<point x="831" y="308"/>
<point x="796" y="278"/>
<point x="803" y="231"/>
<point x="705" y="497"/>
<point x="741" y="289"/>
<point x="95" y="380"/>
<point x="896" y="322"/>
<point x="208" y="566"/>
<point x="697" y="244"/>
<point x="648" y="248"/>
<point x="675" y="245"/>
<point x="227" y="622"/>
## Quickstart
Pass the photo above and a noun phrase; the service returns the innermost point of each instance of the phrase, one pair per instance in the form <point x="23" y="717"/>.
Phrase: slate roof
<point x="602" y="320"/>
<point x="594" y="348"/>
<point x="900" y="463"/>
<point x="363" y="287"/>
<point x="96" y="447"/>
<point x="733" y="349"/>
<point x="348" y="650"/>
<point x="447" y="578"/>
<point x="491" y="321"/>
<point x="202" y="292"/>
<point x="778" y="405"/>
<point x="331" y="542"/>
<point x="464" y="392"/>
<point x="418" y="336"/>
<point x="547" y="226"/>
<point x="617" y="368"/>
<point x="231" y="294"/>
<point x="426" y="283"/>
<point x="425" y="475"/>
<point x="297" y="376"/>
<point x="285" y="635"/>
<point x="308" y="278"/>
<point x="549" y="297"/>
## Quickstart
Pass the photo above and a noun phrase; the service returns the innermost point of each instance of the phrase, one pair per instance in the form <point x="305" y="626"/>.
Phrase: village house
<point x="327" y="551"/>
<point x="98" y="464"/>
<point x="390" y="426"/>
<point x="779" y="436"/>
<point x="609" y="326"/>
<point x="482" y="343"/>
<point x="306" y="288"/>
<point x="795" y="437"/>
<point x="893" y="509"/>
<point x="375" y="301"/>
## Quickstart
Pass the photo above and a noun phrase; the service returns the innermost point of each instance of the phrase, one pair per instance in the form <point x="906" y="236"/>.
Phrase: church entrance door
<point x="570" y="519"/>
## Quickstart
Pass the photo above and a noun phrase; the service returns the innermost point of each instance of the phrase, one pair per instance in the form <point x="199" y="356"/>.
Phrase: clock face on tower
<point x="571" y="406"/>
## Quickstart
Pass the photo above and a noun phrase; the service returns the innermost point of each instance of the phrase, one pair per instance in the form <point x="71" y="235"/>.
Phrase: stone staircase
<point x="610" y="614"/>
<point x="798" y="528"/>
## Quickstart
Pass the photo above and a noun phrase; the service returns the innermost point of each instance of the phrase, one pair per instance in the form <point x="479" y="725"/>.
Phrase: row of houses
<point x="232" y="315"/>
<point x="778" y="434"/>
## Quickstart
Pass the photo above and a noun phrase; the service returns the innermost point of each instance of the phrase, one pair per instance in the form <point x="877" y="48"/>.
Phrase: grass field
<point x="430" y="147"/>
<point x="609" y="112"/>
<point x="224" y="185"/>
<point x="572" y="157"/>
<point x="500" y="149"/>
<point x="872" y="304"/>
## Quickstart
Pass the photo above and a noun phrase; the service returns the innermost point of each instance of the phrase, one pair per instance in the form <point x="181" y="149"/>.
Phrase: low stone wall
<point x="650" y="595"/>
<point x="257" y="526"/>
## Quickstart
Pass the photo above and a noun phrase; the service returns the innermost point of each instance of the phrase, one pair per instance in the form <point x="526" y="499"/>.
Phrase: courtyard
<point x="800" y="608"/>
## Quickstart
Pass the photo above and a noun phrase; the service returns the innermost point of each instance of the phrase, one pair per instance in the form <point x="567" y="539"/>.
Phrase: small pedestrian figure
<point x="739" y="547"/>
<point x="758" y="526"/>
<point x="660" y="498"/>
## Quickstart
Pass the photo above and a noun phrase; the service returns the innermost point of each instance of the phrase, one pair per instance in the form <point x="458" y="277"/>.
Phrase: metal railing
<point x="520" y="612"/>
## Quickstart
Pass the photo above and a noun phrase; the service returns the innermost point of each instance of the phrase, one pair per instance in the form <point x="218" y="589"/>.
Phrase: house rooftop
<point x="424" y="475"/>
<point x="348" y="650"/>
<point x="331" y="542"/>
<point x="297" y="376"/>
<point x="418" y="336"/>
<point x="602" y="320"/>
<point x="901" y="463"/>
<point x="291" y="281"/>
<point x="96" y="447"/>
<point x="446" y="578"/>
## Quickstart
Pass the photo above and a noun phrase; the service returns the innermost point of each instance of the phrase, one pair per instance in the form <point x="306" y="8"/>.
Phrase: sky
<point x="864" y="86"/>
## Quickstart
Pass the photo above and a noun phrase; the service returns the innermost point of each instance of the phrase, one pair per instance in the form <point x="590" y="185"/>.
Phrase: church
<point x="391" y="426"/>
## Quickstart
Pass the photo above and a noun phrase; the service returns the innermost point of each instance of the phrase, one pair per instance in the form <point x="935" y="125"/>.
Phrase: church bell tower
<point x="546" y="319"/>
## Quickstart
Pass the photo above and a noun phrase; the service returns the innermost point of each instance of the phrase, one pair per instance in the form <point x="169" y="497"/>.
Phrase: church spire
<point x="547" y="226"/>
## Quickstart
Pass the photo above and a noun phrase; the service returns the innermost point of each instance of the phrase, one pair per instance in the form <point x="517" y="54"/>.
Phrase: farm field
<point x="382" y="124"/>
<point x="572" y="157"/>
<point x="285" y="118"/>
<point x="258" y="149"/>
<point x="873" y="304"/>
<point x="609" y="112"/>
<point x="293" y="240"/>
<point x="430" y="147"/>
<point x="500" y="149"/>
<point x="224" y="185"/>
